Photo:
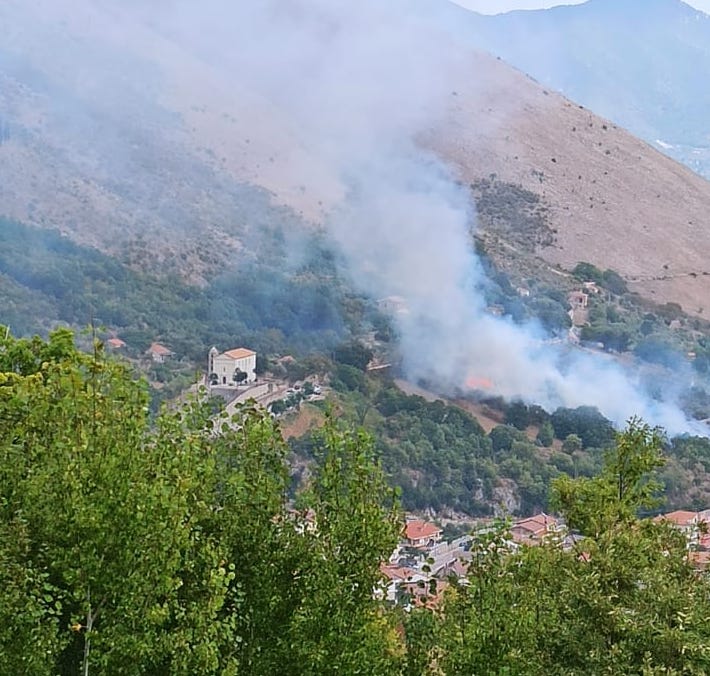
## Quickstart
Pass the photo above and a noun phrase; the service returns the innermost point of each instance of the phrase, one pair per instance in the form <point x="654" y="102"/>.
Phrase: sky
<point x="500" y="6"/>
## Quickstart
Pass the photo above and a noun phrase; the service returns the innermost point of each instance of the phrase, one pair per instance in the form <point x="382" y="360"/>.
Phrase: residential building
<point x="578" y="299"/>
<point x="115" y="344"/>
<point x="691" y="524"/>
<point x="534" y="529"/>
<point x="159" y="353"/>
<point x="421" y="534"/>
<point x="223" y="368"/>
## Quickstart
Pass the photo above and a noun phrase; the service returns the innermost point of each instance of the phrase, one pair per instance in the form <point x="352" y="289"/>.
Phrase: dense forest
<point x="271" y="299"/>
<point x="441" y="459"/>
<point x="172" y="547"/>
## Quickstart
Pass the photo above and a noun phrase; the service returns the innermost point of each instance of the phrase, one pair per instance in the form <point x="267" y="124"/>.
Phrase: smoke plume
<point x="360" y="82"/>
<point x="356" y="84"/>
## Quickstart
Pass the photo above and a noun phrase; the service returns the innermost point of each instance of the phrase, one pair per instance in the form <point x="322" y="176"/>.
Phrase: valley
<point x="341" y="337"/>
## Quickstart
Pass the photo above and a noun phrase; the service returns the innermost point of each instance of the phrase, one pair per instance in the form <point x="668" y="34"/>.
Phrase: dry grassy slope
<point x="615" y="201"/>
<point x="158" y="174"/>
<point x="171" y="168"/>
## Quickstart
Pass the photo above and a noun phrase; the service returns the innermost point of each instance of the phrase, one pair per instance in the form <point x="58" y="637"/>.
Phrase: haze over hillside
<point x="644" y="65"/>
<point x="146" y="124"/>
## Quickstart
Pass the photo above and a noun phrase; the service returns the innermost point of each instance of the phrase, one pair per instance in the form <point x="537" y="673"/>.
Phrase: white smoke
<point x="358" y="83"/>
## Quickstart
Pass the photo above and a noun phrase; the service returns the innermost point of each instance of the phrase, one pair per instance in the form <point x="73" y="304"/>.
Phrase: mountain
<point x="643" y="65"/>
<point x="125" y="135"/>
<point x="610" y="198"/>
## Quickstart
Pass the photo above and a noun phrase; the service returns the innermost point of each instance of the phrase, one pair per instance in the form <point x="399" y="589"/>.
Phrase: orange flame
<point x="478" y="383"/>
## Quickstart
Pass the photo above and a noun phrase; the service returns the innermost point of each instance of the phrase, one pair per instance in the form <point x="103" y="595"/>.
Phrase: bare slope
<point x="613" y="200"/>
<point x="644" y="65"/>
<point x="151" y="152"/>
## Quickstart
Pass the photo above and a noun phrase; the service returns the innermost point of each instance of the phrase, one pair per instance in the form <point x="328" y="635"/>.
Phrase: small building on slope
<point x="231" y="368"/>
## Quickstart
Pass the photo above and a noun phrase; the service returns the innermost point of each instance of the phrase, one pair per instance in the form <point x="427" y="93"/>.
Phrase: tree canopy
<point x="172" y="546"/>
<point x="169" y="547"/>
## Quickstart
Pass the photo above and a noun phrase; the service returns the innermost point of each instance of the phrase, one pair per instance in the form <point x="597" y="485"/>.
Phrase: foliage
<point x="268" y="302"/>
<point x="546" y="434"/>
<point x="353" y="354"/>
<point x="130" y="548"/>
<point x="512" y="211"/>
<point x="584" y="421"/>
<point x="625" y="485"/>
<point x="586" y="272"/>
<point x="624" y="600"/>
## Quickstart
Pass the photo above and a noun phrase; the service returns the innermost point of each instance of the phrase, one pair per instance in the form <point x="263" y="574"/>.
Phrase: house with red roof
<point x="159" y="353"/>
<point x="421" y="534"/>
<point x="115" y="344"/>
<point x="231" y="368"/>
<point x="692" y="524"/>
<point x="534" y="529"/>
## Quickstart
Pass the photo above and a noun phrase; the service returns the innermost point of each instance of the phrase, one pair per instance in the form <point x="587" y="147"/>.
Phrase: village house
<point x="534" y="529"/>
<point x="692" y="524"/>
<point x="421" y="534"/>
<point x="578" y="313"/>
<point x="231" y="368"/>
<point x="115" y="344"/>
<point x="159" y="353"/>
<point x="578" y="299"/>
<point x="394" y="578"/>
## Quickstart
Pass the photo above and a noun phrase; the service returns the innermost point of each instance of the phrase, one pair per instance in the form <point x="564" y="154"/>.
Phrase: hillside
<point x="154" y="153"/>
<point x="642" y="65"/>
<point x="611" y="199"/>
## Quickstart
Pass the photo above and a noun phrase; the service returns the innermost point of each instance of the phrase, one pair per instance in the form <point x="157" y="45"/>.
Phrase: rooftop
<point x="239" y="353"/>
<point x="536" y="523"/>
<point x="157" y="348"/>
<point x="418" y="530"/>
<point x="679" y="517"/>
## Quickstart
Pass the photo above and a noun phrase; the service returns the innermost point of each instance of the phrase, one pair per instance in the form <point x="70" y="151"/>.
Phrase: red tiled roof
<point x="679" y="517"/>
<point x="537" y="523"/>
<point x="157" y="348"/>
<point x="115" y="342"/>
<point x="239" y="353"/>
<point x="418" y="530"/>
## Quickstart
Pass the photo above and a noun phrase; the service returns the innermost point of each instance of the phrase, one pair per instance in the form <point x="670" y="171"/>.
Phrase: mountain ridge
<point x="208" y="165"/>
<point x="606" y="56"/>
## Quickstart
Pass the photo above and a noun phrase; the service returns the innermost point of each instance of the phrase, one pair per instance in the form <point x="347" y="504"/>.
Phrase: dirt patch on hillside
<point x="299" y="423"/>
<point x="487" y="417"/>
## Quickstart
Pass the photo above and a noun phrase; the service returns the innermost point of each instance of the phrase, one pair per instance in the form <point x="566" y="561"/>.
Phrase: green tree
<point x="339" y="627"/>
<point x="353" y="354"/>
<point x="572" y="444"/>
<point x="130" y="546"/>
<point x="622" y="600"/>
<point x="546" y="434"/>
<point x="586" y="272"/>
<point x="624" y="486"/>
<point x="112" y="514"/>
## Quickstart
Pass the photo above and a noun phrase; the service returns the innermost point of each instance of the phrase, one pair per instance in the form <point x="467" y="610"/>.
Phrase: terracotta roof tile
<point x="239" y="353"/>
<point x="157" y="348"/>
<point x="679" y="517"/>
<point x="417" y="530"/>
